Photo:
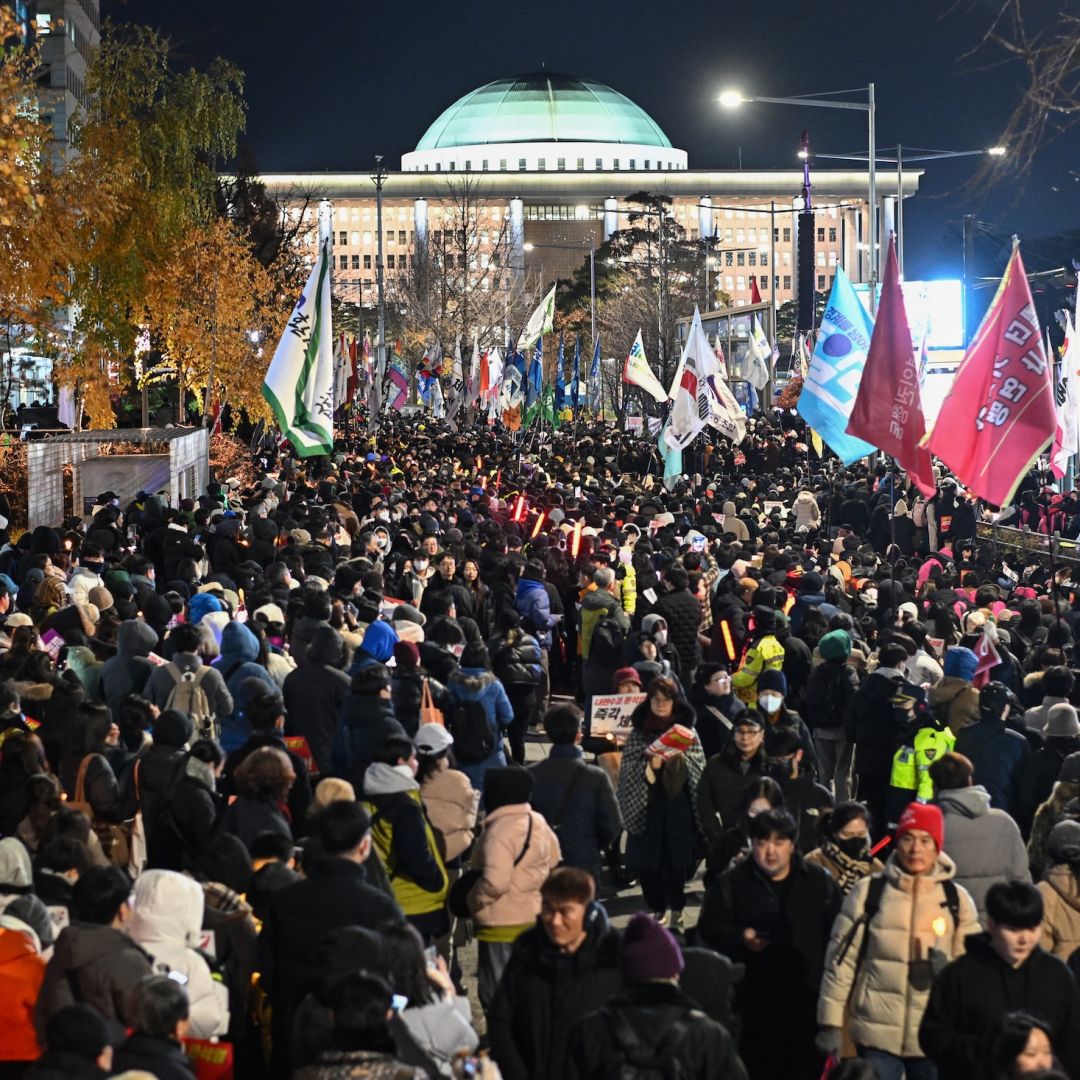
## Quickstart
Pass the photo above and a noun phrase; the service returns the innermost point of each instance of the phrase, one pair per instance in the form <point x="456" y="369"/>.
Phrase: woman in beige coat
<point x="515" y="853"/>
<point x="1061" y="892"/>
<point x="880" y="968"/>
<point x="452" y="803"/>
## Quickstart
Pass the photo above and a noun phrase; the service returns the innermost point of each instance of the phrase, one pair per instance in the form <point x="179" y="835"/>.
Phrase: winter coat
<point x="956" y="702"/>
<point x="715" y="715"/>
<point x="1061" y="911"/>
<point x="578" y="802"/>
<point x="972" y="995"/>
<point x="452" y="804"/>
<point x="505" y="894"/>
<point x="832" y="686"/>
<point x="478" y="684"/>
<point x="670" y="1027"/>
<point x="352" y="1064"/>
<point x="806" y="801"/>
<point x="364" y="724"/>
<point x="303" y="634"/>
<point x="1055" y="809"/>
<point x="128" y="671"/>
<point x="314" y="694"/>
<point x="64" y="1065"/>
<point x="733" y="524"/>
<point x="405" y="840"/>
<point x="407" y="695"/>
<point x="544" y="992"/>
<point x="681" y="611"/>
<point x="246" y="817"/>
<point x="1036" y="781"/>
<point x="984" y="843"/>
<point x="1037" y="716"/>
<point x="237" y="663"/>
<point x="161" y="684"/>
<point x="434" y="1034"/>
<point x="886" y="994"/>
<point x="22" y="971"/>
<point x="998" y="754"/>
<point x="93" y="964"/>
<point x="720" y="789"/>
<point x="531" y="602"/>
<point x="807" y="512"/>
<point x="516" y="658"/>
<point x="299" y="800"/>
<point x="188" y="822"/>
<point x="167" y="920"/>
<point x="161" y="1058"/>
<point x="596" y="605"/>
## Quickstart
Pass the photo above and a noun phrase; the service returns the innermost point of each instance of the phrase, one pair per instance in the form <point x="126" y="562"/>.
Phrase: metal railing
<point x="1025" y="541"/>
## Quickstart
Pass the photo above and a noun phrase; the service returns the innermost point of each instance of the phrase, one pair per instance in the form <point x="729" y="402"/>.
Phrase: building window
<point x="401" y="236"/>
<point x="787" y="282"/>
<point x="821" y="258"/>
<point x="832" y="234"/>
<point x="740" y="283"/>
<point x="355" y="262"/>
<point x="581" y="164"/>
<point x="776" y="281"/>
<point x="521" y="163"/>
<point x="389" y="262"/>
<point x="633" y="163"/>
<point x="821" y="236"/>
<point x="367" y="239"/>
<point x="740" y="236"/>
<point x="541" y="164"/>
<point x="751" y="235"/>
<point x="648" y="165"/>
<point x="343" y="238"/>
<point x="729" y="235"/>
<point x="615" y="163"/>
<point x="343" y="262"/>
<point x="751" y="258"/>
<point x="599" y="163"/>
<point x="832" y="258"/>
<point x="740" y="258"/>
<point x="355" y="239"/>
<point x="787" y="236"/>
<point x="764" y="258"/>
<point x="787" y="258"/>
<point x="821" y="282"/>
<point x="730" y="283"/>
<point x="763" y="281"/>
<point x="729" y="258"/>
<point x="560" y="164"/>
<point x="502" y="164"/>
<point x="438" y="166"/>
<point x="367" y="262"/>
<point x="453" y="166"/>
<point x="776" y="235"/>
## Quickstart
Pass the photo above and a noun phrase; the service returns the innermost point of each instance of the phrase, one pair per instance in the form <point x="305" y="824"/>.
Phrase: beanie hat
<point x="100" y="597"/>
<point x="772" y="679"/>
<point x="649" y="951"/>
<point x="1070" y="769"/>
<point x="993" y="701"/>
<point x="811" y="582"/>
<point x="406" y="655"/>
<point x="173" y="728"/>
<point x="925" y="817"/>
<point x="1065" y="842"/>
<point x="960" y="663"/>
<point x="835" y="645"/>
<point x="379" y="640"/>
<point x="764" y="617"/>
<point x="506" y="787"/>
<point x="625" y="674"/>
<point x="1062" y="720"/>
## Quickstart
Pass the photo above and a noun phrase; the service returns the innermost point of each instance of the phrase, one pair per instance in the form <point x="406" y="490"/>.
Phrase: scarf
<point x="848" y="870"/>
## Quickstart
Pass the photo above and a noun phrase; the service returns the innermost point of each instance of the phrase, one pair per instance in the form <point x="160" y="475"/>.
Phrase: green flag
<point x="548" y="411"/>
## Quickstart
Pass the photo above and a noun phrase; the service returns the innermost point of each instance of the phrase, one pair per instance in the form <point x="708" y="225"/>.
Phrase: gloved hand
<point x="938" y="960"/>
<point x="829" y="1041"/>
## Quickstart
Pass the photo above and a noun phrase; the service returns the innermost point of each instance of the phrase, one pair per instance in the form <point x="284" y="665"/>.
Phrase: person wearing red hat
<point x="895" y="931"/>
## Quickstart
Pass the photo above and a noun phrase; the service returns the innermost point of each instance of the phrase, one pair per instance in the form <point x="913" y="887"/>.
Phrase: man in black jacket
<point x="681" y="610"/>
<point x="159" y="1025"/>
<point x="563" y="968"/>
<point x="576" y="799"/>
<point x="774" y="912"/>
<point x="336" y="893"/>
<point x="313" y="695"/>
<point x="1004" y="970"/>
<point x="652" y="1022"/>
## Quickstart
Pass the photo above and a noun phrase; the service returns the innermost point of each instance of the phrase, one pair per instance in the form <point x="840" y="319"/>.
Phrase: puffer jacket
<point x="984" y="843"/>
<point x="476" y="684"/>
<point x="515" y="658"/>
<point x="889" y="991"/>
<point x="807" y="511"/>
<point x="167" y="923"/>
<point x="452" y="804"/>
<point x="129" y="670"/>
<point x="407" y="694"/>
<point x="533" y="605"/>
<point x="237" y="663"/>
<point x="21" y="973"/>
<point x="1046" y="817"/>
<point x="733" y="524"/>
<point x="1061" y="911"/>
<point x="682" y="612"/>
<point x="505" y="894"/>
<point x="956" y="702"/>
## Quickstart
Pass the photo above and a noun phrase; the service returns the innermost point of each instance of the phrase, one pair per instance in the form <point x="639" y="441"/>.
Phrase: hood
<point x="383" y="779"/>
<point x="16" y="945"/>
<point x="15" y="869"/>
<point x="167" y="907"/>
<point x="598" y="600"/>
<point x="472" y="680"/>
<point x="83" y="943"/>
<point x="729" y="509"/>
<point x="327" y="647"/>
<point x="880" y="687"/>
<point x="135" y="638"/>
<point x="1063" y="881"/>
<point x="238" y="643"/>
<point x="803" y="497"/>
<point x="969" y="802"/>
<point x="201" y="605"/>
<point x="379" y="640"/>
<point x="525" y="585"/>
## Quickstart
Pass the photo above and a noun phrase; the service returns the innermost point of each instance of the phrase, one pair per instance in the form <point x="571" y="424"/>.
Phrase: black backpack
<point x="474" y="738"/>
<point x="606" y="644"/>
<point x="635" y="1060"/>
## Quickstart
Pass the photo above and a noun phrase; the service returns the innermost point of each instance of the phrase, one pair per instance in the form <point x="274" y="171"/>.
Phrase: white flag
<point x="758" y="355"/>
<point x="299" y="384"/>
<point x="472" y="381"/>
<point x="456" y="397"/>
<point x="1067" y="442"/>
<point x="689" y="391"/>
<point x="495" y="373"/>
<point x="540" y="322"/>
<point x="721" y="360"/>
<point x="636" y="370"/>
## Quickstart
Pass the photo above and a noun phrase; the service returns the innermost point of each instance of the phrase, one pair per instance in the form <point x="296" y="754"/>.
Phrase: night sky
<point x="331" y="84"/>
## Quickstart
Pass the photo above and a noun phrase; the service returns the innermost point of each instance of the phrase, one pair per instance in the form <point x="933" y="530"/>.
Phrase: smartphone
<point x="398" y="1002"/>
<point x="431" y="956"/>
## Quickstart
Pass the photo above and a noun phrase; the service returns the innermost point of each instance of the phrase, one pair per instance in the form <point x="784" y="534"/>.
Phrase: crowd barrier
<point x="1005" y="538"/>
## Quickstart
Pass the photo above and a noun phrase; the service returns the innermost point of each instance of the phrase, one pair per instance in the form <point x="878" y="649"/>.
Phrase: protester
<point x="844" y="850"/>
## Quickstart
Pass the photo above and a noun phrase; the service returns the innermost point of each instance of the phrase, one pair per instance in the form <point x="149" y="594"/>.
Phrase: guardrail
<point x="1027" y="542"/>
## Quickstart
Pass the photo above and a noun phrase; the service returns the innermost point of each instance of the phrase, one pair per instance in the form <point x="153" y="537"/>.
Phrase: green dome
<point x="544" y="107"/>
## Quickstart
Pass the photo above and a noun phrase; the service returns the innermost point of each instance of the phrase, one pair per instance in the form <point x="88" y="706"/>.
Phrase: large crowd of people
<point x="482" y="755"/>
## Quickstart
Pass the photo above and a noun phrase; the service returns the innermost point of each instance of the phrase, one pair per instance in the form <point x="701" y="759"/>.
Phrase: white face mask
<point x="420" y="565"/>
<point x="770" y="702"/>
<point x="660" y="637"/>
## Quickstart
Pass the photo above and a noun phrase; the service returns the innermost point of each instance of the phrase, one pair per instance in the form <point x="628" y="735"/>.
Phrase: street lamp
<point x="592" y="271"/>
<point x="731" y="99"/>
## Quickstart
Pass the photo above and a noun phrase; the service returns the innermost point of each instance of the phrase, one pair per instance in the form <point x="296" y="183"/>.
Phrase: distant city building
<point x="555" y="157"/>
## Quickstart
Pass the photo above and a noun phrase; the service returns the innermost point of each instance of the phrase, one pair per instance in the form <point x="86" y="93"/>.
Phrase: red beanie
<point x="923" y="816"/>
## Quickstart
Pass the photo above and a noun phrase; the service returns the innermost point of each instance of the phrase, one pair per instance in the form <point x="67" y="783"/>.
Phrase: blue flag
<point x="672" y="459"/>
<point x="534" y="381"/>
<point x="594" y="378"/>
<point x="423" y="386"/>
<point x="576" y="381"/>
<point x="832" y="381"/>
<point x="560" y="381"/>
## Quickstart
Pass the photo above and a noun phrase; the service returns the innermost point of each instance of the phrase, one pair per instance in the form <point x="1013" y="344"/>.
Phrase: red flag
<point x="888" y="408"/>
<point x="755" y="295"/>
<point x="485" y="377"/>
<point x="999" y="413"/>
<point x="354" y="375"/>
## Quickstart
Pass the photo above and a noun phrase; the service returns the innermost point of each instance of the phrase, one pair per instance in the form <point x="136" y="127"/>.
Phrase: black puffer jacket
<point x="129" y="670"/>
<point x="515" y="658"/>
<point x="682" y="613"/>
<point x="407" y="693"/>
<point x="313" y="694"/>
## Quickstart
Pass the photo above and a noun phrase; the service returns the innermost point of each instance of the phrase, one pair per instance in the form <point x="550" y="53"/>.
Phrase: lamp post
<point x="378" y="178"/>
<point x="592" y="272"/>
<point x="731" y="99"/>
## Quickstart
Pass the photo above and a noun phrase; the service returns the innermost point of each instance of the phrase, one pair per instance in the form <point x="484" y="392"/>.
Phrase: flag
<point x="1067" y="433"/>
<point x="560" y="380"/>
<point x="375" y="388"/>
<point x="484" y="378"/>
<point x="721" y="360"/>
<point x="575" y="380"/>
<point x="399" y="378"/>
<point x="832" y="381"/>
<point x="999" y="412"/>
<point x="701" y="397"/>
<point x="438" y="402"/>
<point x="888" y="407"/>
<point x="424" y="383"/>
<point x="755" y="295"/>
<point x="299" y="384"/>
<point x="758" y="355"/>
<point x="341" y="371"/>
<point x="672" y="458"/>
<point x="534" y="382"/>
<point x="457" y="385"/>
<point x="354" y="371"/>
<point x="495" y="373"/>
<point x="636" y="370"/>
<point x="595" y="389"/>
<point x="548" y="410"/>
<point x="472" y="381"/>
<point x="540" y="321"/>
<point x="512" y="390"/>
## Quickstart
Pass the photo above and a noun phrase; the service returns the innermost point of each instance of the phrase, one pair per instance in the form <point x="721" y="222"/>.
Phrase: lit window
<point x="832" y="258"/>
<point x="821" y="258"/>
<point x="730" y="282"/>
<point x="367" y="239"/>
<point x="355" y="239"/>
<point x="740" y="282"/>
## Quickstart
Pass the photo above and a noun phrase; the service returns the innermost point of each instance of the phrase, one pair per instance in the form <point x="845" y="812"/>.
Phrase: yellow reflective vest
<point x="766" y="653"/>
<point x="911" y="763"/>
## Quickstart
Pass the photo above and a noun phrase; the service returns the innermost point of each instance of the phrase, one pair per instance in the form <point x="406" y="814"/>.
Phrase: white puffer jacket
<point x="167" y="922"/>
<point x="889" y="991"/>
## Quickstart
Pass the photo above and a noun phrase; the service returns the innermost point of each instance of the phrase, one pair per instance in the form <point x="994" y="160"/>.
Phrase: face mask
<point x="660" y="637"/>
<point x="383" y="515"/>
<point x="770" y="703"/>
<point x="854" y="847"/>
<point x="778" y="770"/>
<point x="624" y="555"/>
<point x="420" y="565"/>
<point x="382" y="543"/>
<point x="94" y="567"/>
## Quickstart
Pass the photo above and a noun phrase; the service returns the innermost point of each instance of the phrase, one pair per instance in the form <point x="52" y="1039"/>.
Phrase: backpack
<point x="635" y="1060"/>
<point x="189" y="697"/>
<point x="474" y="739"/>
<point x="606" y="644"/>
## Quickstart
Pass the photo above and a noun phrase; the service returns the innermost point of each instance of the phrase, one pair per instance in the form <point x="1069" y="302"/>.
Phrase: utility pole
<point x="379" y="177"/>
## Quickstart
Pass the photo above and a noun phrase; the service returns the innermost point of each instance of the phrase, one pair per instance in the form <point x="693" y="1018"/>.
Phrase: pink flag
<point x="999" y="413"/>
<point x="888" y="408"/>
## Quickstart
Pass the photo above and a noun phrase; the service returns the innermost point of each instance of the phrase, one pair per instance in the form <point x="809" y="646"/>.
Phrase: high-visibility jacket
<point x="911" y="763"/>
<point x="766" y="653"/>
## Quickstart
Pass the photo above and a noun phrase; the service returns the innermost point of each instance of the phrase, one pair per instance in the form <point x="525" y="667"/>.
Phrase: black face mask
<point x="854" y="847"/>
<point x="779" y="770"/>
<point x="94" y="567"/>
